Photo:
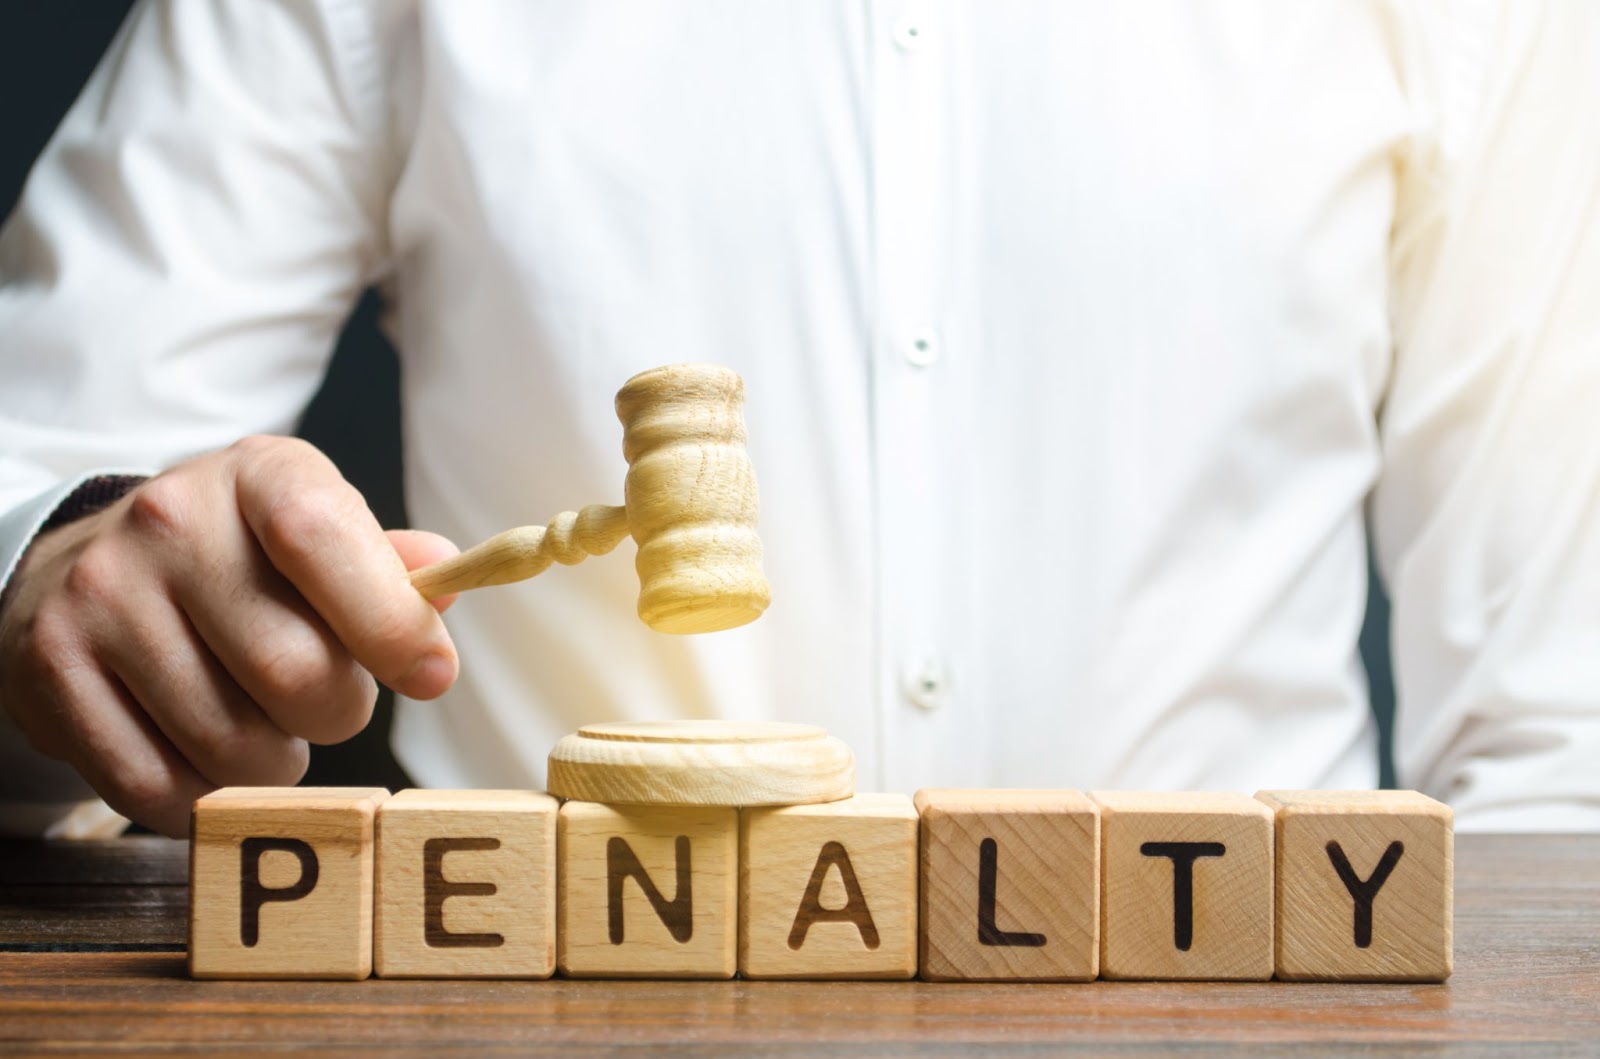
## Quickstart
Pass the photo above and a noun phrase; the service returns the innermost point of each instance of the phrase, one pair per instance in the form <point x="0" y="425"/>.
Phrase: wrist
<point x="89" y="499"/>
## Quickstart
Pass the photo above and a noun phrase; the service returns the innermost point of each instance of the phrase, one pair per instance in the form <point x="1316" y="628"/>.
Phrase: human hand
<point x="203" y="629"/>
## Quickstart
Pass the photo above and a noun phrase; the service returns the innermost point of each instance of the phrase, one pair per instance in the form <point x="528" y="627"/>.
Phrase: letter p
<point x="252" y="894"/>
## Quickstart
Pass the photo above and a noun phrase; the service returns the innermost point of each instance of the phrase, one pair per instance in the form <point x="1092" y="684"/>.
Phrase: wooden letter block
<point x="1186" y="886"/>
<point x="280" y="882"/>
<point x="1010" y="886"/>
<point x="647" y="891"/>
<point x="1364" y="885"/>
<point x="466" y="885"/>
<point x="829" y="890"/>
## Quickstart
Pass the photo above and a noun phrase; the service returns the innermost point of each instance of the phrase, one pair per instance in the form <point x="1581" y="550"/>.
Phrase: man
<point x="1076" y="337"/>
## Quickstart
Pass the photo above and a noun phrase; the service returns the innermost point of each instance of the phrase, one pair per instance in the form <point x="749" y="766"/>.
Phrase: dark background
<point x="47" y="50"/>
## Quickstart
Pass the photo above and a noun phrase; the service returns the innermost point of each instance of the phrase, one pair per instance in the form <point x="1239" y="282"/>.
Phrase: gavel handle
<point x="518" y="554"/>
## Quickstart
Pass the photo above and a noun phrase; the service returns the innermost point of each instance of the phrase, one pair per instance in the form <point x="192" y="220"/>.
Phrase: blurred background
<point x="47" y="51"/>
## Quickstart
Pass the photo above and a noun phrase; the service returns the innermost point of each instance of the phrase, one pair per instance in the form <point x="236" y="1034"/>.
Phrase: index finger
<point x="316" y="529"/>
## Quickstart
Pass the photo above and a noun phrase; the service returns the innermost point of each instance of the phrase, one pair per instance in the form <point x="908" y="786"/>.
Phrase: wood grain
<point x="129" y="894"/>
<point x="141" y="860"/>
<point x="829" y="891"/>
<point x="647" y="891"/>
<point x="705" y="762"/>
<point x="1396" y="848"/>
<point x="1526" y="982"/>
<point x="466" y="885"/>
<point x="1186" y="885"/>
<point x="311" y="866"/>
<point x="1010" y="885"/>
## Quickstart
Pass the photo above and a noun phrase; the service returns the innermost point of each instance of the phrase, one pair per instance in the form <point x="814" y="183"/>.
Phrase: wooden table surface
<point x="91" y="943"/>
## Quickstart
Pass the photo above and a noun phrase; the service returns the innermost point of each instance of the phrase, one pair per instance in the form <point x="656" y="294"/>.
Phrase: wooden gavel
<point x="689" y="500"/>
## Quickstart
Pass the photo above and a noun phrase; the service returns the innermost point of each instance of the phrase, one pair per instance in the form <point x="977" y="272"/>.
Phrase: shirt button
<point x="909" y="34"/>
<point x="927" y="683"/>
<point x="922" y="348"/>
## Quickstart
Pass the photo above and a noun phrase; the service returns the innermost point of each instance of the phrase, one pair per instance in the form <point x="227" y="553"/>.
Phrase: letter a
<point x="855" y="909"/>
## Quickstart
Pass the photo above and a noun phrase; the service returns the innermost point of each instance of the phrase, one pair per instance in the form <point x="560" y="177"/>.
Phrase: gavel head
<point x="691" y="499"/>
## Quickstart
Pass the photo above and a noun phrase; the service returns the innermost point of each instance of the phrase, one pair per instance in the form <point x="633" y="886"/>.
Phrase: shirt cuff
<point x="22" y="523"/>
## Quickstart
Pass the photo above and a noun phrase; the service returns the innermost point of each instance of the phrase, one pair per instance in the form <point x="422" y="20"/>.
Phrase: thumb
<point x="419" y="548"/>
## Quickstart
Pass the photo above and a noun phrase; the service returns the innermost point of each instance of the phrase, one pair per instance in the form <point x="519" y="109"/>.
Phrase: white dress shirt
<point x="1084" y="343"/>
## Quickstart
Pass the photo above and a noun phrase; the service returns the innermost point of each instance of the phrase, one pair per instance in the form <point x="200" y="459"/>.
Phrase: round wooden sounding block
<point x="728" y="763"/>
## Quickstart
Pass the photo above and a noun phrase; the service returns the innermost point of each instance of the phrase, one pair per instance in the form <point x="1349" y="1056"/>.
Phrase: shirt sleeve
<point x="1487" y="517"/>
<point x="182" y="258"/>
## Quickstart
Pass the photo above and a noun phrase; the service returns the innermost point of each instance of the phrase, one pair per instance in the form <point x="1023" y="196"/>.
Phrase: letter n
<point x="623" y="864"/>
